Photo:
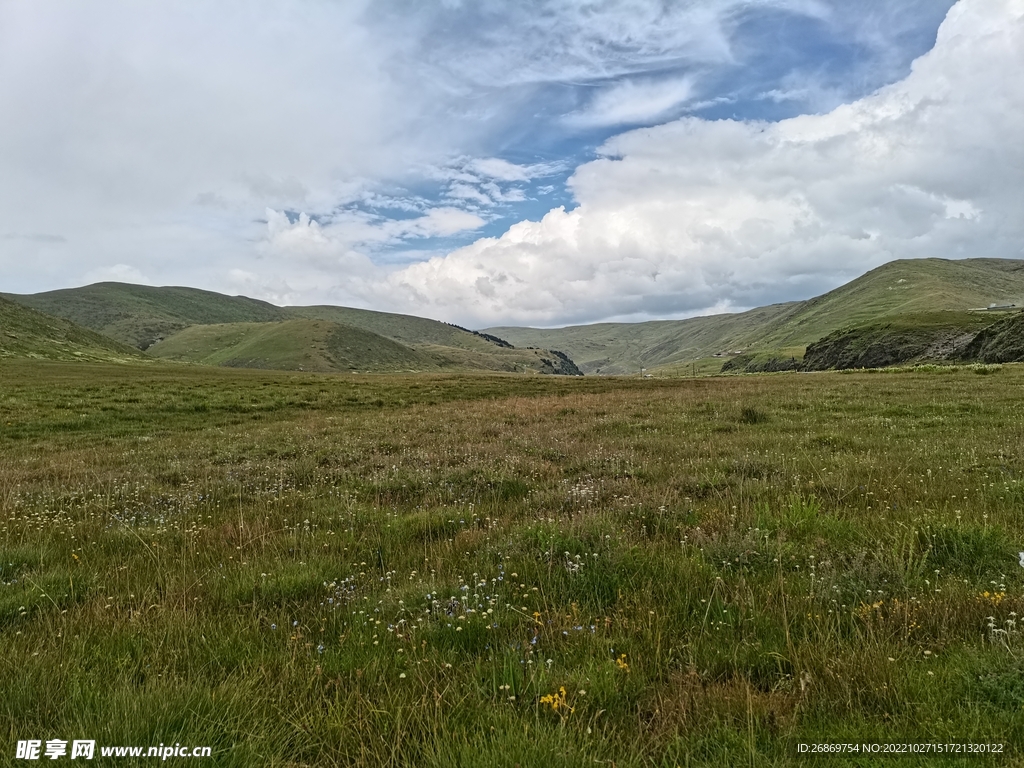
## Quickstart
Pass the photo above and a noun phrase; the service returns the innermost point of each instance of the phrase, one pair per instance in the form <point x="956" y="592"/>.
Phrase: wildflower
<point x="621" y="663"/>
<point x="557" y="701"/>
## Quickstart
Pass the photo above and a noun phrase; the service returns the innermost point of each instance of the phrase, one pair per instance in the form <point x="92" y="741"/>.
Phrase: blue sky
<point x="485" y="162"/>
<point x="776" y="60"/>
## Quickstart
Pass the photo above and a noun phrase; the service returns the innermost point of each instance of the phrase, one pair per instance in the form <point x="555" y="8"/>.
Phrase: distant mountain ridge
<point x="189" y="324"/>
<point x="784" y="330"/>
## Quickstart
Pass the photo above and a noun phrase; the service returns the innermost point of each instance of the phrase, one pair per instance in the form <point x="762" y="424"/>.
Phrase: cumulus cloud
<point x="156" y="135"/>
<point x="311" y="252"/>
<point x="695" y="214"/>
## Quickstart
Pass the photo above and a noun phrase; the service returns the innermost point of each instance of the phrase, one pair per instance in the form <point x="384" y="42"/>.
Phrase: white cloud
<point x="502" y="170"/>
<point x="330" y="258"/>
<point x="156" y="135"/>
<point x="694" y="214"/>
<point x="632" y="101"/>
<point x="501" y="44"/>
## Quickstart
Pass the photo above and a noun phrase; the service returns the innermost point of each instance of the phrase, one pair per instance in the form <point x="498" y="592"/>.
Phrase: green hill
<point x="901" y="287"/>
<point x="24" y="332"/>
<point x="768" y="338"/>
<point x="141" y="315"/>
<point x="310" y="345"/>
<point x="617" y="348"/>
<point x="406" y="329"/>
<point x="783" y="331"/>
<point x="322" y="345"/>
<point x="189" y="324"/>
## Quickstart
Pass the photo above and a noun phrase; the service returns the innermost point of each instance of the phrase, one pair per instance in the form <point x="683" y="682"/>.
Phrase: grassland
<point x="304" y="570"/>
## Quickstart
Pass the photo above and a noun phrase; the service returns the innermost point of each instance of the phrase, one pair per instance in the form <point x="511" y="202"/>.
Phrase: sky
<point x="542" y="162"/>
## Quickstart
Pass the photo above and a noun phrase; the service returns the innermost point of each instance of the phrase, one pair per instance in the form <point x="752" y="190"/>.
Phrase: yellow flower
<point x="621" y="663"/>
<point x="557" y="701"/>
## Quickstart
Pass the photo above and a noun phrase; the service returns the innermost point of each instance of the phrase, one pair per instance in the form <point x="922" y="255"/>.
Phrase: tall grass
<point x="301" y="570"/>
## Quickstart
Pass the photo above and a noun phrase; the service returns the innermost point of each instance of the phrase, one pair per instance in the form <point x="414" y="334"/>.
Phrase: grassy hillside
<point x="189" y="324"/>
<point x="27" y="333"/>
<point x="406" y="329"/>
<point x="617" y="348"/>
<point x="321" y="345"/>
<point x="140" y="315"/>
<point x="310" y="345"/>
<point x="899" y="287"/>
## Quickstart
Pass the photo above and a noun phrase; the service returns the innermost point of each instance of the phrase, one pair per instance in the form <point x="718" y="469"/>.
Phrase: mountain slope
<point x="406" y="329"/>
<point x="24" y="332"/>
<point x="139" y="315"/>
<point x="202" y="326"/>
<point x="1001" y="342"/>
<point x="322" y="345"/>
<point x="616" y="348"/>
<point x="310" y="345"/>
<point x="898" y="340"/>
<point x="899" y="287"/>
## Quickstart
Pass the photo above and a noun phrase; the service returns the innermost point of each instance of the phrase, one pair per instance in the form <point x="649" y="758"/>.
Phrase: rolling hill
<point x="202" y="326"/>
<point x="321" y="345"/>
<point x="307" y="345"/>
<point x="140" y="315"/>
<point x="24" y="332"/>
<point x="188" y="324"/>
<point x="784" y="330"/>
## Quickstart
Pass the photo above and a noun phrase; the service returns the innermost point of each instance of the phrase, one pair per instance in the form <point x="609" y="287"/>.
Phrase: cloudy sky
<point x="488" y="162"/>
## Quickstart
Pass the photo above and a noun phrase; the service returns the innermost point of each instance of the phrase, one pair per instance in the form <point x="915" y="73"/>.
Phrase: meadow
<point x="486" y="570"/>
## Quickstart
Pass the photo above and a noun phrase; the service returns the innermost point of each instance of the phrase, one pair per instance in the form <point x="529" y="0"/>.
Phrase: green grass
<point x="301" y="570"/>
<point x="311" y="345"/>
